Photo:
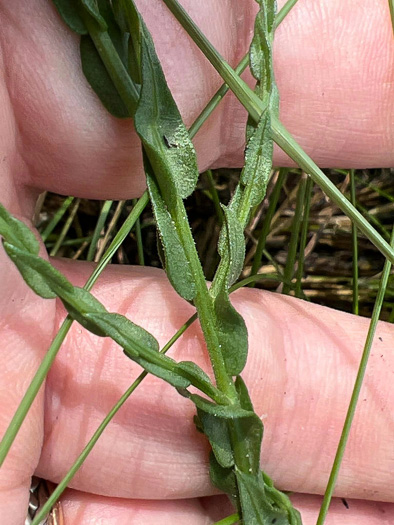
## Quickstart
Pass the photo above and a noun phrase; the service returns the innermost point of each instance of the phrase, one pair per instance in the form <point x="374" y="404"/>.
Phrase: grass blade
<point x="100" y="429"/>
<point x="354" y="246"/>
<point x="295" y="231"/>
<point x="303" y="237"/>
<point x="280" y="134"/>
<point x="97" y="231"/>
<point x="356" y="390"/>
<point x="65" y="228"/>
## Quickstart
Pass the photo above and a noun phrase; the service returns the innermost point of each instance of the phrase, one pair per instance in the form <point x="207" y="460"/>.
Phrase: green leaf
<point x="92" y="7"/>
<point x="256" y="508"/>
<point x="196" y="376"/>
<point x="176" y="263"/>
<point x="131" y="337"/>
<point x="220" y="411"/>
<point x="94" y="69"/>
<point x="249" y="430"/>
<point x="223" y="478"/>
<point x="16" y="232"/>
<point x="170" y="376"/>
<point x="42" y="278"/>
<point x="216" y="430"/>
<point x="128" y="20"/>
<point x="78" y="303"/>
<point x="231" y="245"/>
<point x="258" y="160"/>
<point x="68" y="10"/>
<point x="232" y="334"/>
<point x="161" y="129"/>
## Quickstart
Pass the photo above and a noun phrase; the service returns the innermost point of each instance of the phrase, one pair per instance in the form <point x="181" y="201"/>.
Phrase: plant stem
<point x="65" y="228"/>
<point x="56" y="218"/>
<point x="97" y="231"/>
<point x="140" y="246"/>
<point x="258" y="256"/>
<point x="203" y="302"/>
<point x="354" y="246"/>
<point x="114" y="65"/>
<point x="280" y="135"/>
<point x="356" y="390"/>
<point x="42" y="371"/>
<point x="303" y="237"/>
<point x="295" y="231"/>
<point x="100" y="429"/>
<point x="214" y="196"/>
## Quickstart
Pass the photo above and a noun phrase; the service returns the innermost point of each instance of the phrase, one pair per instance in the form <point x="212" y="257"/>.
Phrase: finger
<point x="84" y="509"/>
<point x="335" y="81"/>
<point x="24" y="337"/>
<point x="80" y="508"/>
<point x="301" y="368"/>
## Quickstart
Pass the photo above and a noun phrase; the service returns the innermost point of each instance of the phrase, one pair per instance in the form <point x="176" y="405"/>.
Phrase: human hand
<point x="303" y="358"/>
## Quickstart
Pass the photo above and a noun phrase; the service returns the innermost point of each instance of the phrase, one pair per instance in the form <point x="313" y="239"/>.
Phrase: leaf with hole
<point x="161" y="129"/>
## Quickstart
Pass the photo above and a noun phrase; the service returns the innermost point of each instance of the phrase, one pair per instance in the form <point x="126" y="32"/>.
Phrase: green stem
<point x="140" y="246"/>
<point x="203" y="302"/>
<point x="113" y="64"/>
<point x="280" y="135"/>
<point x="214" y="196"/>
<point x="258" y="256"/>
<point x="42" y="371"/>
<point x="356" y="390"/>
<point x="303" y="237"/>
<point x="66" y="227"/>
<point x="97" y="231"/>
<point x="354" y="246"/>
<point x="100" y="429"/>
<point x="285" y="140"/>
<point x="56" y="218"/>
<point x="221" y="92"/>
<point x="295" y="232"/>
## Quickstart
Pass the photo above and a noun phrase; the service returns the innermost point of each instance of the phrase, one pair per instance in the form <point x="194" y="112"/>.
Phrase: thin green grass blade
<point x="111" y="226"/>
<point x="356" y="390"/>
<point x="355" y="305"/>
<point x="214" y="196"/>
<point x="98" y="229"/>
<point x="140" y="245"/>
<point x="295" y="233"/>
<point x="220" y="93"/>
<point x="273" y="201"/>
<point x="280" y="134"/>
<point x="56" y="218"/>
<point x="100" y="429"/>
<point x="51" y="354"/>
<point x="374" y="220"/>
<point x="303" y="237"/>
<point x="65" y="228"/>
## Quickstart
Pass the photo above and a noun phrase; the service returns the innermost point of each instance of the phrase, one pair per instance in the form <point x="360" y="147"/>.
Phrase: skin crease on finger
<point x="335" y="81"/>
<point x="84" y="509"/>
<point x="302" y="364"/>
